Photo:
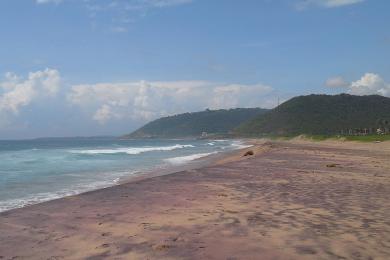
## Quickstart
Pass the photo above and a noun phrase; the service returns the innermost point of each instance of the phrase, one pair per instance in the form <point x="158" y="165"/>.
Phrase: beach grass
<point x="358" y="138"/>
<point x="368" y="138"/>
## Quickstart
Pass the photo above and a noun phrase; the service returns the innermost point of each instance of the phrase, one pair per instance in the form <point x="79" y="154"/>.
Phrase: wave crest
<point x="188" y="158"/>
<point x="132" y="150"/>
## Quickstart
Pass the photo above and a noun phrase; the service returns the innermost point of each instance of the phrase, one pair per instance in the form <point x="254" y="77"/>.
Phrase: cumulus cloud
<point x="326" y="3"/>
<point x="148" y="100"/>
<point x="336" y="82"/>
<point x="368" y="84"/>
<point x="104" y="114"/>
<point x="17" y="92"/>
<point x="135" y="102"/>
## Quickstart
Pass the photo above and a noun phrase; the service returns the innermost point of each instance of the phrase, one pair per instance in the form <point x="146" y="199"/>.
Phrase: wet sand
<point x="291" y="200"/>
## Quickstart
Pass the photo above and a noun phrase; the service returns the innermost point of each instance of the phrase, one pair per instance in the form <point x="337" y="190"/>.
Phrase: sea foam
<point x="132" y="150"/>
<point x="188" y="158"/>
<point x="48" y="196"/>
<point x="34" y="171"/>
<point x="239" y="145"/>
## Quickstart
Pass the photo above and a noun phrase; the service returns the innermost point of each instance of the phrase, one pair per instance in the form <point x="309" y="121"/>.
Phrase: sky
<point x="106" y="67"/>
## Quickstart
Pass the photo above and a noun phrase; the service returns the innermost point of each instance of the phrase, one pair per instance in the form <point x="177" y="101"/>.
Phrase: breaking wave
<point x="133" y="150"/>
<point x="188" y="158"/>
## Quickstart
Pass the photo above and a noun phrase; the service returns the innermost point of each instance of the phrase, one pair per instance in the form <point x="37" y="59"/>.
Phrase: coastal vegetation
<point x="318" y="117"/>
<point x="315" y="138"/>
<point x="326" y="115"/>
<point x="198" y="124"/>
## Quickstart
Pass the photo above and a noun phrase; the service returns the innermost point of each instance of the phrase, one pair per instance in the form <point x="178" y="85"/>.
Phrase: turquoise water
<point x="33" y="171"/>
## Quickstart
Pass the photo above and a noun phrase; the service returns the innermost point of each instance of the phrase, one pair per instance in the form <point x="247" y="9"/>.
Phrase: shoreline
<point x="156" y="171"/>
<point x="291" y="200"/>
<point x="206" y="161"/>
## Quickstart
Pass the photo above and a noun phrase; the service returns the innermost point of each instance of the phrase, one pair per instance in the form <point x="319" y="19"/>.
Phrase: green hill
<point x="321" y="115"/>
<point x="194" y="124"/>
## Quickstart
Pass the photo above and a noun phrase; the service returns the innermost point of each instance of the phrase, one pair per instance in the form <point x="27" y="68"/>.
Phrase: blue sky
<point x="97" y="67"/>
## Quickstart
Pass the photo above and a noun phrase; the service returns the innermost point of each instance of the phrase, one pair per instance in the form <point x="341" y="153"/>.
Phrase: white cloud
<point x="326" y="3"/>
<point x="235" y="95"/>
<point x="148" y="100"/>
<point x="370" y="84"/>
<point x="17" y="93"/>
<point x="336" y="82"/>
<point x="104" y="114"/>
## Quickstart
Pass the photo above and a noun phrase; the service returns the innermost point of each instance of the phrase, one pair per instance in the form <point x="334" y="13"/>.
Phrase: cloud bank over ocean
<point x="142" y="101"/>
<point x="138" y="101"/>
<point x="148" y="100"/>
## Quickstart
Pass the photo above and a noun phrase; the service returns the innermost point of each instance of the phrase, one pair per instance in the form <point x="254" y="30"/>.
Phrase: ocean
<point x="33" y="171"/>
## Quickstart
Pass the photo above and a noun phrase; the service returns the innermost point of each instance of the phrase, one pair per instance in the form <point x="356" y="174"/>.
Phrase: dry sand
<point x="291" y="200"/>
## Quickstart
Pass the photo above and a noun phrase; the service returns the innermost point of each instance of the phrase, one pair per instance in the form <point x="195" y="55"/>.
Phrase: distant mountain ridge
<point x="320" y="115"/>
<point x="214" y="122"/>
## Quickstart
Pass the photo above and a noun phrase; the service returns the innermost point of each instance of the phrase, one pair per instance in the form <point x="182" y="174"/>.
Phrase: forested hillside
<point x="194" y="124"/>
<point x="321" y="114"/>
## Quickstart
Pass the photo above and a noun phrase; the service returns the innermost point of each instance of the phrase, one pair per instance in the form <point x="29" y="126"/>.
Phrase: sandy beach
<point x="290" y="200"/>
